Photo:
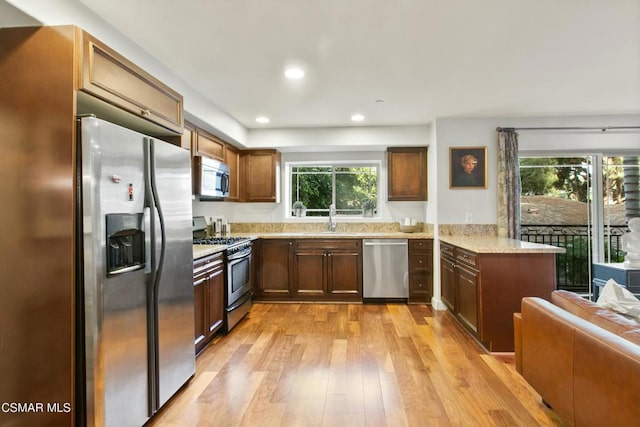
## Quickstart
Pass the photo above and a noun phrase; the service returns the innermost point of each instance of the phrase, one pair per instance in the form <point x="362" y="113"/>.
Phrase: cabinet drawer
<point x="420" y="245"/>
<point x="320" y="244"/>
<point x="420" y="283"/>
<point x="208" y="264"/>
<point x="447" y="250"/>
<point x="111" y="77"/>
<point x="467" y="257"/>
<point x="419" y="262"/>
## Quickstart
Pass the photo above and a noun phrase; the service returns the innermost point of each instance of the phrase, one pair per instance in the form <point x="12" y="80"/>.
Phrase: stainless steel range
<point x="239" y="278"/>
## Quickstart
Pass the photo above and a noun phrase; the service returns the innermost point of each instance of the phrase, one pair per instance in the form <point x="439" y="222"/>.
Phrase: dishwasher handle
<point x="385" y="244"/>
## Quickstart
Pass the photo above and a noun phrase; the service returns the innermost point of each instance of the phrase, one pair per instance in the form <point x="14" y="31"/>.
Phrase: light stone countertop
<point x="343" y="235"/>
<point x="200" y="251"/>
<point x="484" y="244"/>
<point x="498" y="245"/>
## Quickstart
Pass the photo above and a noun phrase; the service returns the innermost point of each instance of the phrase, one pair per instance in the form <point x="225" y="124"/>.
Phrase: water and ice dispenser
<point x="125" y="243"/>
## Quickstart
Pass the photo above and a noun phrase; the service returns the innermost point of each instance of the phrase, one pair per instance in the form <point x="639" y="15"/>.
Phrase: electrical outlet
<point x="468" y="218"/>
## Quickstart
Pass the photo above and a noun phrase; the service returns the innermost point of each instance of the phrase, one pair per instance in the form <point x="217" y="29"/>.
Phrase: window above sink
<point x="351" y="186"/>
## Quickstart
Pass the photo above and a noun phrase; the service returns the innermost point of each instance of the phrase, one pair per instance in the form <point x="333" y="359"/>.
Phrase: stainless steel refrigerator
<point x="136" y="279"/>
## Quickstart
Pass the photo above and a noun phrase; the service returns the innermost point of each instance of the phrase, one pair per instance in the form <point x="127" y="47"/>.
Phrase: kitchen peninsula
<point x="483" y="280"/>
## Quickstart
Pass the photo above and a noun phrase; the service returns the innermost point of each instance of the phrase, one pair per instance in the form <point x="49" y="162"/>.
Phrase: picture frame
<point x="468" y="167"/>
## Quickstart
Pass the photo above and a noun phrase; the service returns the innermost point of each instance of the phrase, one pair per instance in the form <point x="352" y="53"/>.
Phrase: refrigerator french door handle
<point x="159" y="264"/>
<point x="159" y="215"/>
<point x="152" y="279"/>
<point x="147" y="239"/>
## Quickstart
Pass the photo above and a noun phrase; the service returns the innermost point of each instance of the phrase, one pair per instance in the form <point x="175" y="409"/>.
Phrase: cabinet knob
<point x="145" y="112"/>
<point x="420" y="262"/>
<point x="420" y="285"/>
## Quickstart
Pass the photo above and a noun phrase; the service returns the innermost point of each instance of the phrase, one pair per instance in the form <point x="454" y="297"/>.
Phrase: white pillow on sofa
<point x="619" y="299"/>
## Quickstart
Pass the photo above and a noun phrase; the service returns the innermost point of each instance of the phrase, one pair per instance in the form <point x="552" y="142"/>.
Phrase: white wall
<point x="482" y="204"/>
<point x="355" y="138"/>
<point x="327" y="144"/>
<point x="68" y="12"/>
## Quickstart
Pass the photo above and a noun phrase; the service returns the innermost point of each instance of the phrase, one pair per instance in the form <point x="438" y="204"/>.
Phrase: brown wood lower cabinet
<point x="327" y="269"/>
<point x="309" y="270"/>
<point x="483" y="290"/>
<point x="420" y="270"/>
<point x="208" y="290"/>
<point x="272" y="269"/>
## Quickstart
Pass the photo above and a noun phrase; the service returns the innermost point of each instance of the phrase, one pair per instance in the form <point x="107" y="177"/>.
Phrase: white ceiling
<point x="423" y="58"/>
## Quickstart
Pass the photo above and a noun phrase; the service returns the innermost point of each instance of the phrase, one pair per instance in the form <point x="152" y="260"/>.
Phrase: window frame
<point x="332" y="163"/>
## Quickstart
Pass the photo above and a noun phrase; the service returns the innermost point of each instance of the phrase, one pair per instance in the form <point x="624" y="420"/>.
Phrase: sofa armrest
<point x="547" y="353"/>
<point x="517" y="340"/>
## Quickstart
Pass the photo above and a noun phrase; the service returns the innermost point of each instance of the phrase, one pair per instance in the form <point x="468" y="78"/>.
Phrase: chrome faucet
<point x="332" y="217"/>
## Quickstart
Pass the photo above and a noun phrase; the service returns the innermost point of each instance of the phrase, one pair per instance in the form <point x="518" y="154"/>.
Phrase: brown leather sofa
<point x="583" y="360"/>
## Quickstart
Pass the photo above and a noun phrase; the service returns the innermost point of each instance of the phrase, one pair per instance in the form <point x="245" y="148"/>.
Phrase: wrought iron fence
<point x="572" y="267"/>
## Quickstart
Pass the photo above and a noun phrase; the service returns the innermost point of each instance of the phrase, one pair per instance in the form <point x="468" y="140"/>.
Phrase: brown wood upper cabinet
<point x="260" y="176"/>
<point x="232" y="158"/>
<point x="110" y="76"/>
<point x="188" y="136"/>
<point x="407" y="173"/>
<point x="209" y="146"/>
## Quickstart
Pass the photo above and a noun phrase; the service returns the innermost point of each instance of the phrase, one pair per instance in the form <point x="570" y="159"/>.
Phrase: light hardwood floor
<point x="352" y="365"/>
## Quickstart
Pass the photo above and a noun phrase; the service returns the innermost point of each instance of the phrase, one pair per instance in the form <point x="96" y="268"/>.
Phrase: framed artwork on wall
<point x="468" y="167"/>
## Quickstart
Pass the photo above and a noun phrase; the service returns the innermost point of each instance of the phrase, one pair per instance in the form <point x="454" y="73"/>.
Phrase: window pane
<point x="353" y="185"/>
<point x="621" y="184"/>
<point x="555" y="209"/>
<point x="312" y="186"/>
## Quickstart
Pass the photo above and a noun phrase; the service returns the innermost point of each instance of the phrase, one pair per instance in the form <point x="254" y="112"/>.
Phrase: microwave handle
<point x="225" y="183"/>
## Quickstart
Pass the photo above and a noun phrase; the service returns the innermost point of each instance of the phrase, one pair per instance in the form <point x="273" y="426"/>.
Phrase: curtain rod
<point x="600" y="128"/>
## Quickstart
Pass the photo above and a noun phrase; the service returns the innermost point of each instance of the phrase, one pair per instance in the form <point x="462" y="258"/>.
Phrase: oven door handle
<point x="243" y="299"/>
<point x="238" y="255"/>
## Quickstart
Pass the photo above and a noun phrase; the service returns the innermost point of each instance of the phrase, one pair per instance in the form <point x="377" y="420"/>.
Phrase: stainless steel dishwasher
<point x="385" y="269"/>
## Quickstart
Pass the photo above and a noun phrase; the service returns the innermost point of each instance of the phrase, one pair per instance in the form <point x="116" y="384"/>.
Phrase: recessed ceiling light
<point x="262" y="119"/>
<point x="357" y="118"/>
<point x="294" y="73"/>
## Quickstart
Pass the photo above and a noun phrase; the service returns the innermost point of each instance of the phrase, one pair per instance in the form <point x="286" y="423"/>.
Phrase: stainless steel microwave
<point x="212" y="181"/>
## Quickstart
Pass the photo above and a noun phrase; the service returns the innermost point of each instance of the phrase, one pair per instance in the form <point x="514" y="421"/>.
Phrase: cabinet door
<point x="344" y="275"/>
<point x="199" y="296"/>
<point x="186" y="140"/>
<point x="406" y="173"/>
<point x="113" y="78"/>
<point x="467" y="297"/>
<point x="261" y="180"/>
<point x="448" y="282"/>
<point x="208" y="145"/>
<point x="309" y="273"/>
<point x="274" y="276"/>
<point x="215" y="302"/>
<point x="232" y="158"/>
